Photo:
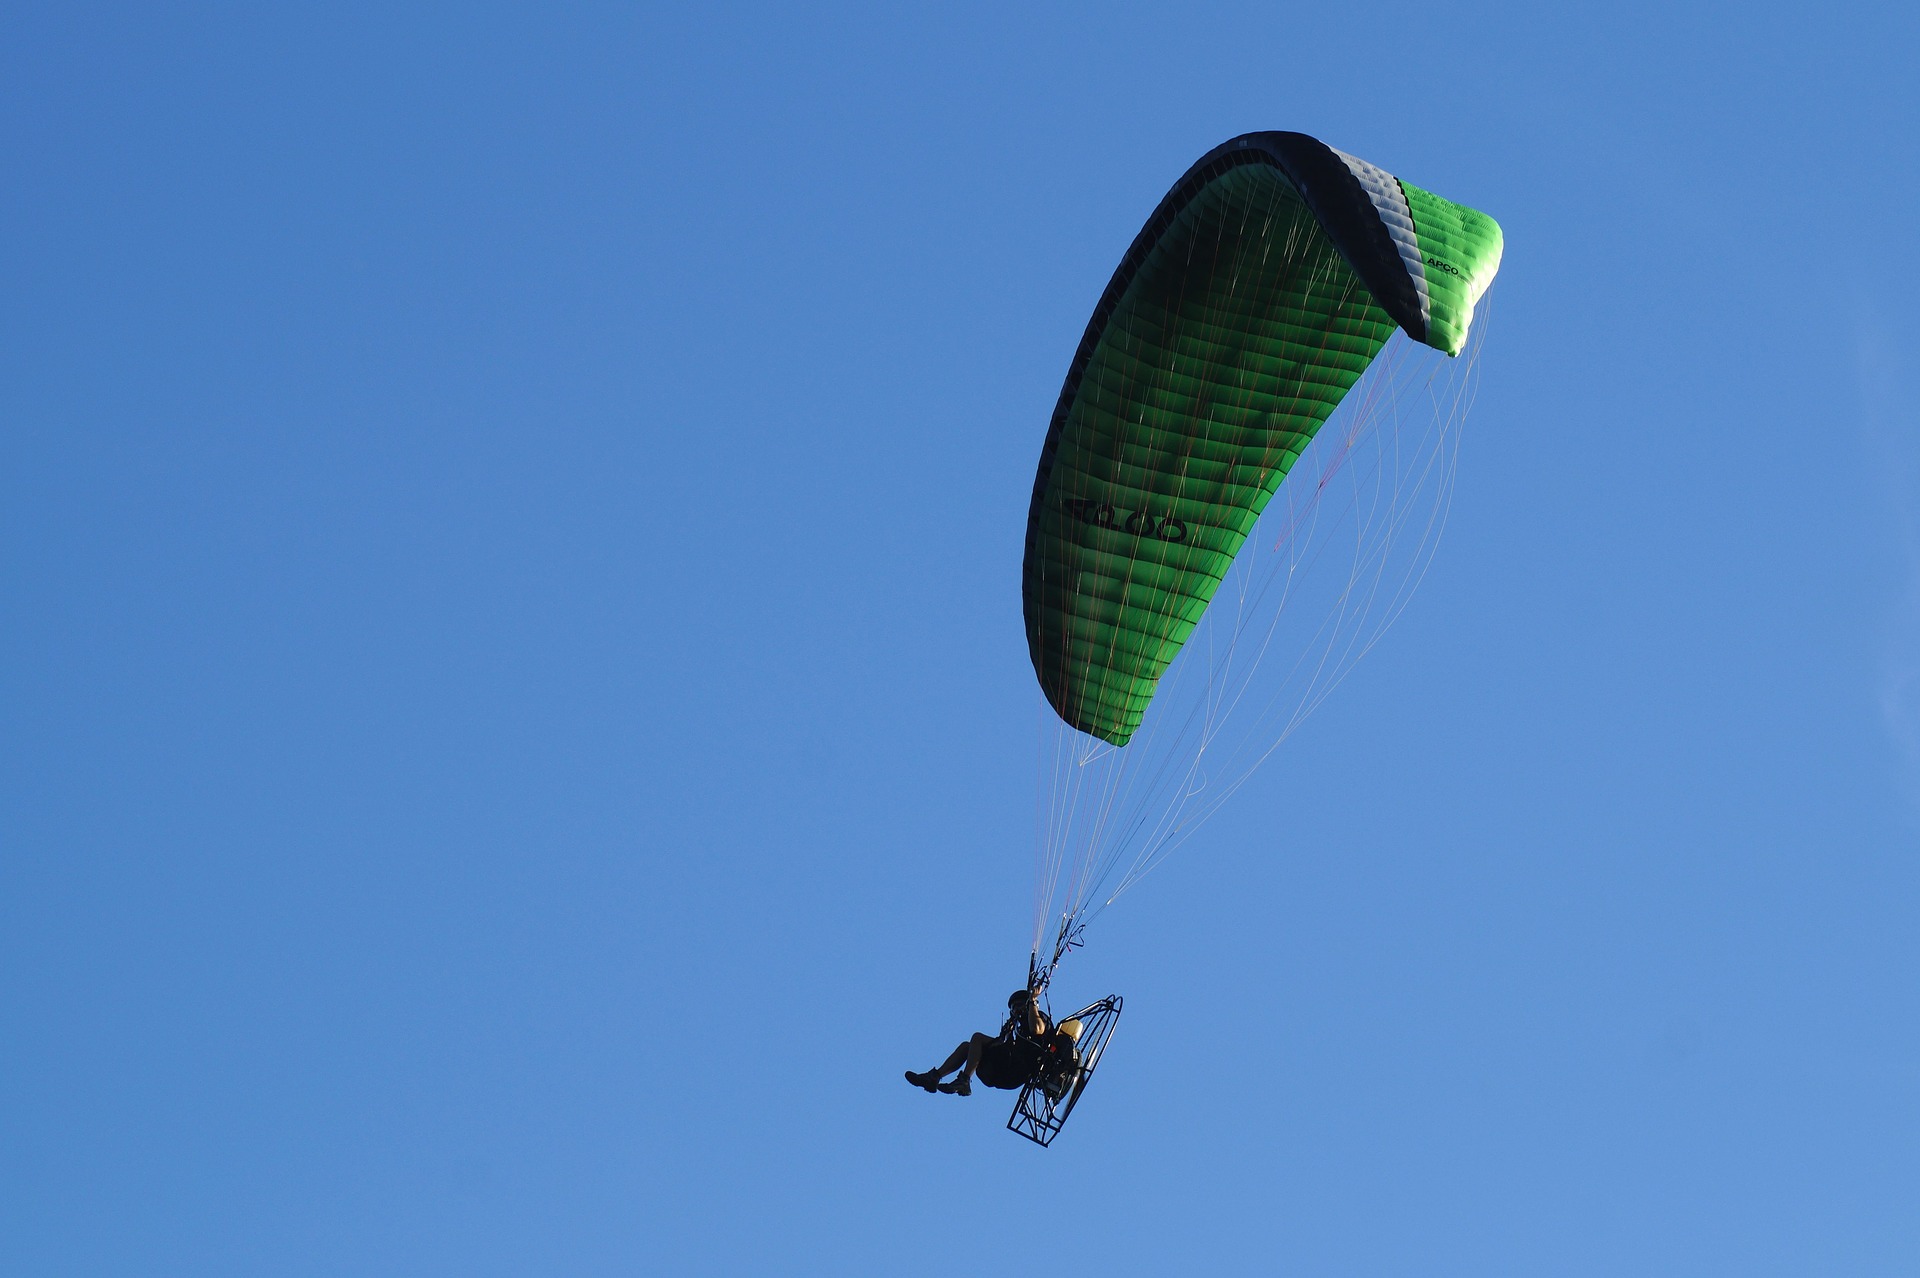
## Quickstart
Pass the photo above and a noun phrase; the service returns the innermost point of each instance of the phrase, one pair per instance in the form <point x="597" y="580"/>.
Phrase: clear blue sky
<point x="516" y="721"/>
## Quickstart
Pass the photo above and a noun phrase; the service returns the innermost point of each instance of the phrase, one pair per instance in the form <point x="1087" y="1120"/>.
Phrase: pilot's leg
<point x="963" y="1085"/>
<point x="957" y="1060"/>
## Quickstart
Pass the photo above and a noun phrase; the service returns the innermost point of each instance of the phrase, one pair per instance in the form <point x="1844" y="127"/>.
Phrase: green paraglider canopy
<point x="1255" y="296"/>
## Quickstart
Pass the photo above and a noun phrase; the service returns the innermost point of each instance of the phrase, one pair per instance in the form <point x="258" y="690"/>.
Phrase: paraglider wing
<point x="1255" y="296"/>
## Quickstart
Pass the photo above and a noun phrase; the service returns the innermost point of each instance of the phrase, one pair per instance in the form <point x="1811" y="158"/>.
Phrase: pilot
<point x="1008" y="1062"/>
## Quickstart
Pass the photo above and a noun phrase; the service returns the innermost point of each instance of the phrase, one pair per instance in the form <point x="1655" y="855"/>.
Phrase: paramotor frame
<point x="1046" y="1101"/>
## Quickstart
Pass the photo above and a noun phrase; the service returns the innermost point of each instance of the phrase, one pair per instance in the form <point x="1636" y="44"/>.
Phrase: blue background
<point x="517" y="725"/>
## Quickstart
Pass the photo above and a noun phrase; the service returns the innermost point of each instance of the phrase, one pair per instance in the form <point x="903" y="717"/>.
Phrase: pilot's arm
<point x="1036" y="1019"/>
